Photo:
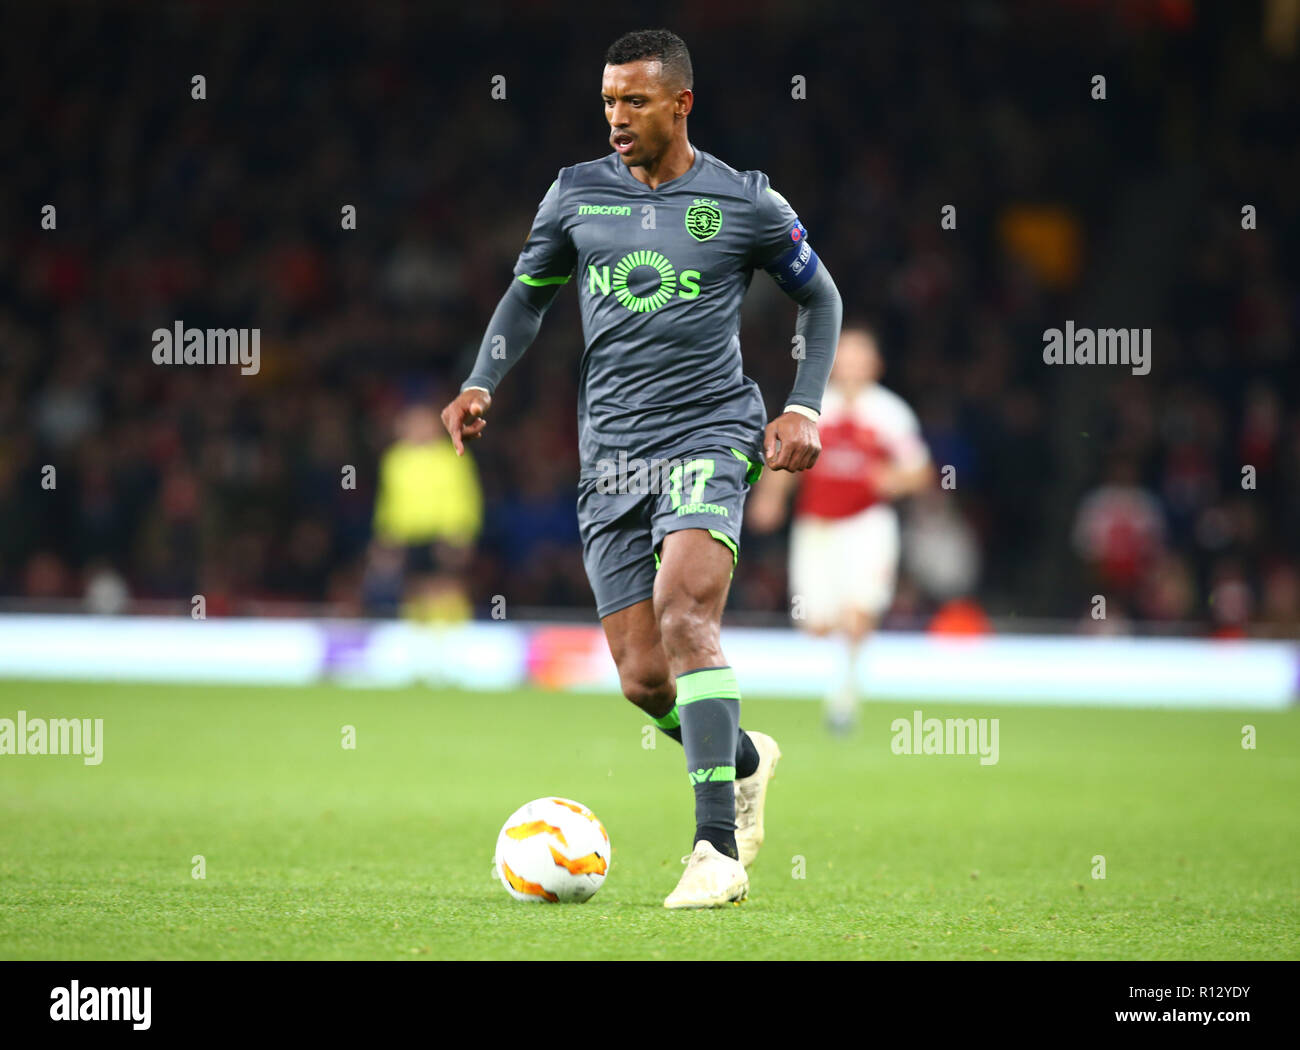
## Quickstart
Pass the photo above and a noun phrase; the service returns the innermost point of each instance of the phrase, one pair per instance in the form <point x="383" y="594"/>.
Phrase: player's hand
<point x="888" y="482"/>
<point x="894" y="483"/>
<point x="791" y="442"/>
<point x="464" y="417"/>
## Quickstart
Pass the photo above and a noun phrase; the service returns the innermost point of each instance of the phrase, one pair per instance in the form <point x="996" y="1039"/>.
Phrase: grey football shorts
<point x="623" y="519"/>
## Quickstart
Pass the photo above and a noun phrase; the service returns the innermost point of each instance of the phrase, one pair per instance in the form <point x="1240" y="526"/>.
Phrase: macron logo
<point x="75" y="1003"/>
<point x="604" y="209"/>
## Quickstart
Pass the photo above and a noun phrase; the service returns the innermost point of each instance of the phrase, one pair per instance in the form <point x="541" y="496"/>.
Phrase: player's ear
<point x="685" y="100"/>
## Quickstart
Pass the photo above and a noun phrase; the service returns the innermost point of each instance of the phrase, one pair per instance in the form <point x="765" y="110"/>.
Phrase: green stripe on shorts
<point x="722" y="538"/>
<point x="727" y="542"/>
<point x="753" y="471"/>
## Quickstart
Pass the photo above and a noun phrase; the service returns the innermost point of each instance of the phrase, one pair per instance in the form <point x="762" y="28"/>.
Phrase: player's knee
<point x="858" y="625"/>
<point x="687" y="626"/>
<point x="647" y="686"/>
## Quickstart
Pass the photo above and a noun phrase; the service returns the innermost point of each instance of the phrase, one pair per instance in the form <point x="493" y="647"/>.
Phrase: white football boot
<point x="711" y="880"/>
<point x="751" y="794"/>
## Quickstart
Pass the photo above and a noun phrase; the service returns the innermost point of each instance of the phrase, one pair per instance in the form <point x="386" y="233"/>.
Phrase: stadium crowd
<point x="124" y="481"/>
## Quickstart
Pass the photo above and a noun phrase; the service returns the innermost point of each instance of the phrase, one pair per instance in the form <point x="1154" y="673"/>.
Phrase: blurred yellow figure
<point x="430" y="508"/>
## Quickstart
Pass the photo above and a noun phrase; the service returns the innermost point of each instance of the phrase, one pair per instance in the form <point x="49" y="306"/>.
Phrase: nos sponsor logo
<point x="643" y="281"/>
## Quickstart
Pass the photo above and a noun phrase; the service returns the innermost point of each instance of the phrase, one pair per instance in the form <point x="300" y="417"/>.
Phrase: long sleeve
<point x="545" y="263"/>
<point x="782" y="250"/>
<point x="818" y="322"/>
<point x="513" y="327"/>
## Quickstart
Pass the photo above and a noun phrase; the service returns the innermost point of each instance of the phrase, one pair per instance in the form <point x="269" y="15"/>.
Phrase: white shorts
<point x="838" y="564"/>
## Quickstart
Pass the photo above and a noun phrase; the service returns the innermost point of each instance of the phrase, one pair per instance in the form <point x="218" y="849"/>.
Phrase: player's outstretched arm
<point x="545" y="264"/>
<point x="790" y="441"/>
<point x="781" y="248"/>
<point x="513" y="327"/>
<point x="897" y="482"/>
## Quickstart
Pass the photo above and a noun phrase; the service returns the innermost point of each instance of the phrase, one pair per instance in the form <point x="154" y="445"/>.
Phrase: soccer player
<point x="844" y="540"/>
<point x="663" y="240"/>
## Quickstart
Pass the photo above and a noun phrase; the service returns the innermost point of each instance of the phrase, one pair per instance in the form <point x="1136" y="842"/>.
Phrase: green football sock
<point x="708" y="705"/>
<point x="746" y="753"/>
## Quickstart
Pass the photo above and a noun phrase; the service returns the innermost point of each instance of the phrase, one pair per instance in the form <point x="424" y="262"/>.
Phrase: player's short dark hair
<point x="667" y="47"/>
<point x="857" y="323"/>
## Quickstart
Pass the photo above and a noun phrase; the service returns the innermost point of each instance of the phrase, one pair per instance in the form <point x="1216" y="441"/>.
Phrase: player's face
<point x="857" y="361"/>
<point x="419" y="424"/>
<point x="640" y="109"/>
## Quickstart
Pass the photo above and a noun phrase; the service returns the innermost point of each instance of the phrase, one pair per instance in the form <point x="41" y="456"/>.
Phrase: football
<point x="552" y="849"/>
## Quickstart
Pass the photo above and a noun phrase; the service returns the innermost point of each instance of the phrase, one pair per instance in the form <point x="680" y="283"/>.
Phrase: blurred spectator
<point x="430" y="509"/>
<point x="940" y="550"/>
<point x="1119" y="530"/>
<point x="106" y="592"/>
<point x="1280" y="614"/>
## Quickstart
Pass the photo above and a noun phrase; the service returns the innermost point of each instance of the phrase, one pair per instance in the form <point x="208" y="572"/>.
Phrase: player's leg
<point x="855" y="628"/>
<point x="696" y="529"/>
<point x="643" y="674"/>
<point x="633" y="637"/>
<point x="690" y="592"/>
<point x="814" y="576"/>
<point x="868" y="546"/>
<point x="851" y="545"/>
<point x="817" y="586"/>
<point x="618" y="553"/>
<point x="618" y="556"/>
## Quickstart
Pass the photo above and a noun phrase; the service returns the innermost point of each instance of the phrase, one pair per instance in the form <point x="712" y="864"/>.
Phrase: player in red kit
<point x="844" y="542"/>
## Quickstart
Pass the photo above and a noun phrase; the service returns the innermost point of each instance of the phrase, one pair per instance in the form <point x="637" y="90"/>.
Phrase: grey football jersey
<point x="660" y="276"/>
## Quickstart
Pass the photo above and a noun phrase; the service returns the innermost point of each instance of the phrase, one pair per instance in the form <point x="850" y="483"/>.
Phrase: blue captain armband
<point x="795" y="266"/>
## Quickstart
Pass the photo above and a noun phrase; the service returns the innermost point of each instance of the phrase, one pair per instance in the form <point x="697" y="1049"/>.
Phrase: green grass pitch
<point x="383" y="852"/>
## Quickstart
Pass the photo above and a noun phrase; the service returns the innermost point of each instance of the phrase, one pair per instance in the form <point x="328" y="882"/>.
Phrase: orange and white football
<point x="552" y="850"/>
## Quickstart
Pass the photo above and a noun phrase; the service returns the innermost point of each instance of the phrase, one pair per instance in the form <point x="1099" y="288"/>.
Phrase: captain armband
<point x="794" y="267"/>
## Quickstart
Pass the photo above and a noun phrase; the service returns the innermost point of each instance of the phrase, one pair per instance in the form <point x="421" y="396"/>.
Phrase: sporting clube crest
<point x="703" y="218"/>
